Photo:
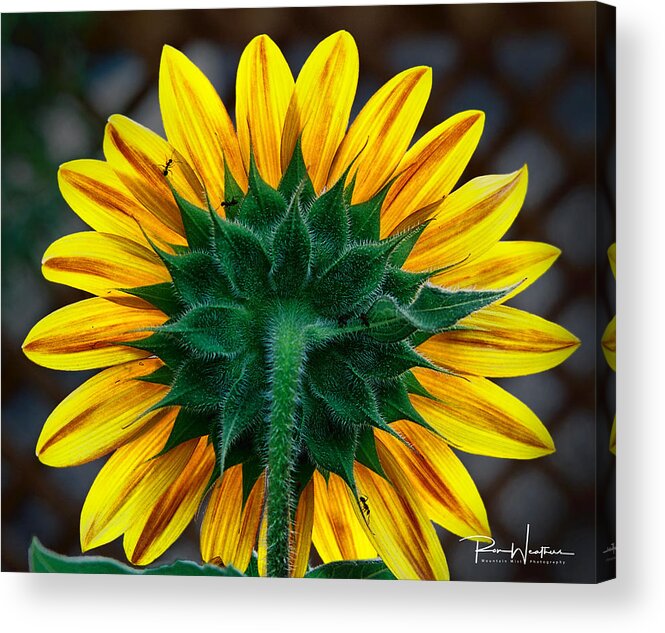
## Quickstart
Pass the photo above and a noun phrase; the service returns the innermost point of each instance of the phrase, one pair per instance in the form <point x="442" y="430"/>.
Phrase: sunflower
<point x="609" y="343"/>
<point x="296" y="320"/>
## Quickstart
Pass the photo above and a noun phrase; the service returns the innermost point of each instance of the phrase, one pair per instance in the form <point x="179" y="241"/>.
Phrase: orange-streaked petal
<point x="430" y="169"/>
<point x="321" y="103"/>
<point x="302" y="531"/>
<point x="228" y="532"/>
<point x="96" y="194"/>
<point x="89" y="334"/>
<point x="127" y="480"/>
<point x="442" y="483"/>
<point x="197" y="123"/>
<point x="609" y="343"/>
<point x="382" y="132"/>
<point x="397" y="525"/>
<point x="140" y="157"/>
<point x="264" y="86"/>
<point x="499" y="342"/>
<point x="505" y="264"/>
<point x="612" y="256"/>
<point x="100" y="263"/>
<point x="470" y="221"/>
<point x="477" y="416"/>
<point x="156" y="529"/>
<point x="100" y="415"/>
<point x="337" y="534"/>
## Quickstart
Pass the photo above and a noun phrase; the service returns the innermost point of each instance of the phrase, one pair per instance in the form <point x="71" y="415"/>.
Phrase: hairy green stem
<point x="287" y="347"/>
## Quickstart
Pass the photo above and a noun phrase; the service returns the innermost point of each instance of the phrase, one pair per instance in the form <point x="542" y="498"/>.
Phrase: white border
<point x="633" y="602"/>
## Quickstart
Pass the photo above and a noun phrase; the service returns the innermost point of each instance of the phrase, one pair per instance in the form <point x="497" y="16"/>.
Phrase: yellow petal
<point x="503" y="265"/>
<point x="228" y="532"/>
<point x="113" y="499"/>
<point x="430" y="169"/>
<point x="157" y="529"/>
<point x="397" y="525"/>
<point x="321" y="103"/>
<point x="613" y="437"/>
<point x="609" y="343"/>
<point x="337" y="533"/>
<point x="140" y="157"/>
<point x="89" y="334"/>
<point x="612" y="255"/>
<point x="442" y="483"/>
<point x="302" y="531"/>
<point x="96" y="194"/>
<point x="382" y="132"/>
<point x="100" y="415"/>
<point x="100" y="263"/>
<point x="264" y="86"/>
<point x="500" y="342"/>
<point x="197" y="123"/>
<point x="262" y="547"/>
<point x="477" y="416"/>
<point x="470" y="221"/>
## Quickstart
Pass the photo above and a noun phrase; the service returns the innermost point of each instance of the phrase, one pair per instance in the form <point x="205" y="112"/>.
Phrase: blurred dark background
<point x="530" y="67"/>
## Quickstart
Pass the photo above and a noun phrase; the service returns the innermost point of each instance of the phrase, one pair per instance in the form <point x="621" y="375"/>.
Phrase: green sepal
<point x="161" y="376"/>
<point x="327" y="219"/>
<point x="332" y="446"/>
<point x="233" y="194"/>
<point x="242" y="255"/>
<point x="247" y="452"/>
<point x="296" y="178"/>
<point x="291" y="253"/>
<point x="403" y="285"/>
<point x="437" y="309"/>
<point x="345" y="392"/>
<point x="188" y="425"/>
<point x="262" y="206"/>
<point x="198" y="227"/>
<point x="350" y="280"/>
<point x="252" y="570"/>
<point x="365" y="217"/>
<point x="196" y="385"/>
<point x="302" y="474"/>
<point x="162" y="345"/>
<point x="366" y="451"/>
<point x="252" y="469"/>
<point x="385" y="361"/>
<point x="197" y="277"/>
<point x="407" y="240"/>
<point x="389" y="322"/>
<point x="396" y="405"/>
<point x="370" y="569"/>
<point x="413" y="386"/>
<point x="163" y="296"/>
<point x="212" y="329"/>
<point x="44" y="561"/>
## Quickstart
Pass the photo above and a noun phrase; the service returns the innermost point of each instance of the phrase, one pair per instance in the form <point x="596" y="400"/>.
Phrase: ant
<point x="228" y="203"/>
<point x="166" y="168"/>
<point x="364" y="319"/>
<point x="364" y="508"/>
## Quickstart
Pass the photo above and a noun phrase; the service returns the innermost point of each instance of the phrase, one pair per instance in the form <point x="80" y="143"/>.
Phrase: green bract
<point x="293" y="309"/>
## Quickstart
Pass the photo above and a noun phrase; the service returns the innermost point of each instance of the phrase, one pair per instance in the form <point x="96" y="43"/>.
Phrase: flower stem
<point x="287" y="355"/>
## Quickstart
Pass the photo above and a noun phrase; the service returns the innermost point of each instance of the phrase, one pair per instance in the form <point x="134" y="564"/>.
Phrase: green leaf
<point x="350" y="280"/>
<point x="371" y="569"/>
<point x="212" y="329"/>
<point x="197" y="223"/>
<point x="242" y="255"/>
<point x="263" y="206"/>
<point x="291" y="253"/>
<point x="296" y="177"/>
<point x="163" y="296"/>
<point x="44" y="561"/>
